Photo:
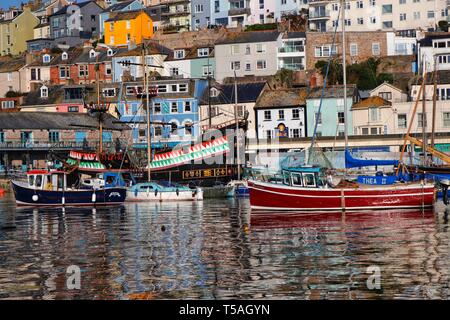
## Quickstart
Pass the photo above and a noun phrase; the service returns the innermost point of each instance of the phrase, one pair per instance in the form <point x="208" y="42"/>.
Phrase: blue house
<point x="331" y="117"/>
<point x="117" y="6"/>
<point x="174" y="112"/>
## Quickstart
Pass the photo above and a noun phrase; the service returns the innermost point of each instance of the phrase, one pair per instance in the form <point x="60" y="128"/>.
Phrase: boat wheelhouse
<point x="50" y="188"/>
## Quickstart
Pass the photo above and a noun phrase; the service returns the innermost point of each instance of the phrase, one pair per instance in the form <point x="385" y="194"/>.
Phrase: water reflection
<point x="217" y="250"/>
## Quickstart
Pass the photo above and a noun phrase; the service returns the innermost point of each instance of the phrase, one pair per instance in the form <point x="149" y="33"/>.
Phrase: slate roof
<point x="125" y="15"/>
<point x="282" y="98"/>
<point x="152" y="48"/>
<point x="72" y="53"/>
<point x="336" y="91"/>
<point x="247" y="92"/>
<point x="33" y="98"/>
<point x="119" y="6"/>
<point x="63" y="10"/>
<point x="250" y="37"/>
<point x="11" y="64"/>
<point x="443" y="77"/>
<point x="56" y="121"/>
<point x="294" y="35"/>
<point x="84" y="56"/>
<point x="373" y="101"/>
<point x="428" y="40"/>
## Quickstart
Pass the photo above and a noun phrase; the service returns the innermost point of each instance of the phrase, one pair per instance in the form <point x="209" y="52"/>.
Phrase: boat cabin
<point x="306" y="177"/>
<point x="47" y="180"/>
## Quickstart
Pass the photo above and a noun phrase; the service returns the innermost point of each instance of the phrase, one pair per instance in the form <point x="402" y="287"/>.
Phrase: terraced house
<point x="128" y="28"/>
<point x="16" y="27"/>
<point x="122" y="6"/>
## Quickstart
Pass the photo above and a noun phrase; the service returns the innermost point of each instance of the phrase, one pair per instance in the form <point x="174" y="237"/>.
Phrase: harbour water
<point x="215" y="250"/>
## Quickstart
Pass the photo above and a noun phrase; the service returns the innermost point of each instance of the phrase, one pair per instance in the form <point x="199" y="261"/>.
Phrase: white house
<point x="281" y="113"/>
<point x="292" y="53"/>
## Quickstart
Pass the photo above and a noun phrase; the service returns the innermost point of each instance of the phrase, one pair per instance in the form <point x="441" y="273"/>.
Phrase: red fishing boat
<point x="309" y="189"/>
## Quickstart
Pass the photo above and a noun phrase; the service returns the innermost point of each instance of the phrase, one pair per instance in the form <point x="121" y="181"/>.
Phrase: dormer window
<point x="44" y="92"/>
<point x="179" y="54"/>
<point x="214" y="92"/>
<point x="64" y="56"/>
<point x="46" y="58"/>
<point x="203" y="52"/>
<point x="92" y="54"/>
<point x="110" y="52"/>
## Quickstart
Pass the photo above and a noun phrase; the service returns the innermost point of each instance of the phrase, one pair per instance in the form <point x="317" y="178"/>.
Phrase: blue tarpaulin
<point x="351" y="162"/>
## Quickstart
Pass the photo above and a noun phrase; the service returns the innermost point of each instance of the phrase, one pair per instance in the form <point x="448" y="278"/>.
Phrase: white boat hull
<point x="194" y="195"/>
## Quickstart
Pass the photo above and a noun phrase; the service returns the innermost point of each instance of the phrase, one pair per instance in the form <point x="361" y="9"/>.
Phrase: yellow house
<point x="124" y="28"/>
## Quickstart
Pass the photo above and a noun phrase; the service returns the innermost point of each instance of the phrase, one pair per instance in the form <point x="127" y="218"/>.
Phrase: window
<point x="401" y="119"/>
<point x="325" y="51"/>
<point x="235" y="65"/>
<point x="247" y="50"/>
<point x="73" y="109"/>
<point x="373" y="3"/>
<point x="156" y="107"/>
<point x="207" y="70"/>
<point x="108" y="69"/>
<point x="2" y="138"/>
<point x="359" y="4"/>
<point x="360" y="21"/>
<point x="235" y="49"/>
<point x="318" y="118"/>
<point x="174" y="128"/>
<point x="174" y="107"/>
<point x="365" y="131"/>
<point x="348" y="22"/>
<point x="83" y="70"/>
<point x="296" y="179"/>
<point x="162" y="88"/>
<point x="198" y="8"/>
<point x="179" y="54"/>
<point x="111" y="26"/>
<point x="261" y="64"/>
<point x="373" y="112"/>
<point x="187" y="106"/>
<point x="353" y="49"/>
<point x="46" y="58"/>
<point x="446" y="117"/>
<point x="269" y="134"/>
<point x="109" y="92"/>
<point x="111" y="39"/>
<point x="260" y="48"/>
<point x="280" y="114"/>
<point x="128" y="24"/>
<point x="295" y="133"/>
<point x="188" y="129"/>
<point x="430" y="14"/>
<point x="385" y="95"/>
<point x="387" y="24"/>
<point x="53" y="136"/>
<point x="64" y="72"/>
<point x="386" y="9"/>
<point x="158" y="131"/>
<point x="267" y="115"/>
<point x="341" y="118"/>
<point x="373" y="20"/>
<point x="9" y="76"/>
<point x="402" y="16"/>
<point x="401" y="1"/>
<point x="308" y="180"/>
<point x="420" y="120"/>
<point x="248" y="66"/>
<point x="375" y="48"/>
<point x="203" y="52"/>
<point x="35" y="74"/>
<point x="416" y="15"/>
<point x="44" y="92"/>
<point x="9" y="104"/>
<point x="174" y="72"/>
<point x="335" y="7"/>
<point x="182" y="87"/>
<point x="295" y="114"/>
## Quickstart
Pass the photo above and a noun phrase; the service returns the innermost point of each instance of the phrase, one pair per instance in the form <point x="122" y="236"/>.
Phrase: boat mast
<point x="237" y="125"/>
<point x="97" y="76"/>
<point x="424" y="119"/>
<point x="145" y="90"/>
<point x="344" y="72"/>
<point x="433" y="124"/>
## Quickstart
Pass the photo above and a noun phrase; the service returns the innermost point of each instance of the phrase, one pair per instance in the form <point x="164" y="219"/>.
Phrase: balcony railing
<point x="291" y="49"/>
<point x="319" y="14"/>
<point x="52" y="145"/>
<point x="177" y="11"/>
<point x="292" y="66"/>
<point x="239" y="11"/>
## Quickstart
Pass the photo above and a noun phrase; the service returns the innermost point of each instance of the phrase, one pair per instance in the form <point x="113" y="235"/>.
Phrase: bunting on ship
<point x="194" y="153"/>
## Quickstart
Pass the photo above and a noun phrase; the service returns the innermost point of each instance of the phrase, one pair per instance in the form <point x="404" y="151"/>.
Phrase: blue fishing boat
<point x="49" y="188"/>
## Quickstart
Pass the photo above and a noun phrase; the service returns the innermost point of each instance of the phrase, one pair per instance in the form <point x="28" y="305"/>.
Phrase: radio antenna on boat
<point x="344" y="75"/>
